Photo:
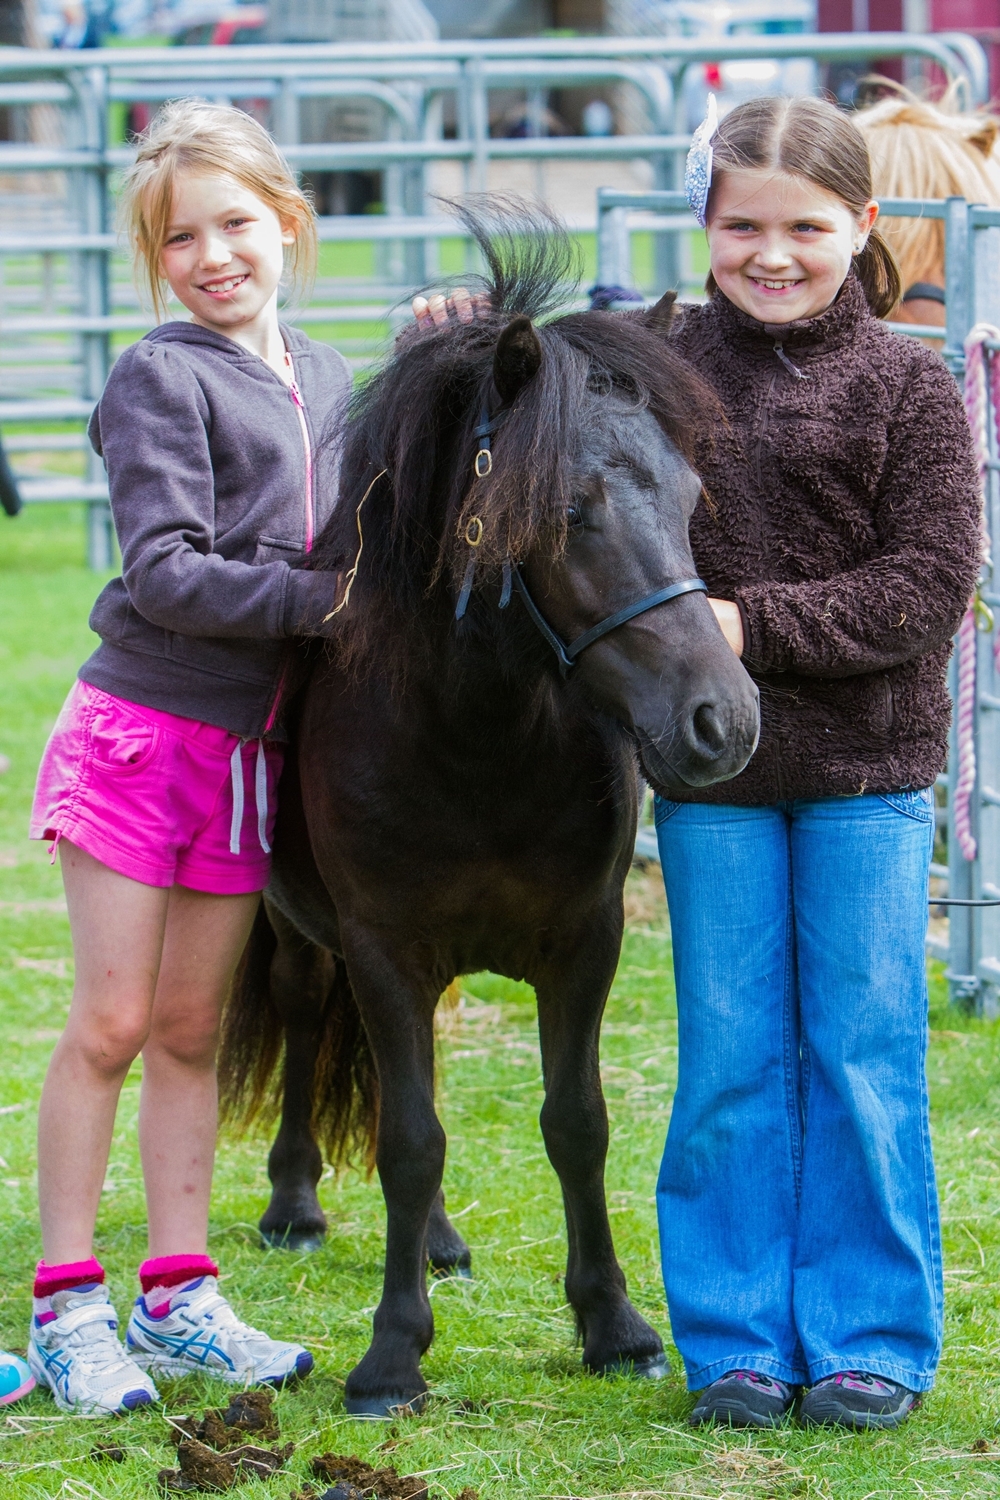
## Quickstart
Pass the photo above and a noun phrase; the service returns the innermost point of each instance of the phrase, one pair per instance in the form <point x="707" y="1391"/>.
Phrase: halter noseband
<point x="566" y="655"/>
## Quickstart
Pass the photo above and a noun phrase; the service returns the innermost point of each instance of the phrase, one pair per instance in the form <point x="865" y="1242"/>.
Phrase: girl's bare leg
<point x="202" y="943"/>
<point x="117" y="927"/>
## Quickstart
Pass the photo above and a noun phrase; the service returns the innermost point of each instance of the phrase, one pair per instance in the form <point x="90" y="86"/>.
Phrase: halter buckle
<point x="482" y="464"/>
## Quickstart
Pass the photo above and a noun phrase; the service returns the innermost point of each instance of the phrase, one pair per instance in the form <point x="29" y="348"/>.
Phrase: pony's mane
<point x="924" y="150"/>
<point x="413" y="424"/>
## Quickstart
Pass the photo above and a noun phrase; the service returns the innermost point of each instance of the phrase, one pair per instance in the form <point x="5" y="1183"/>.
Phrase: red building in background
<point x="980" y="18"/>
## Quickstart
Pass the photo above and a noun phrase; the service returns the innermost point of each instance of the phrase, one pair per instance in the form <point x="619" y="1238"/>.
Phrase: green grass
<point x="532" y="1424"/>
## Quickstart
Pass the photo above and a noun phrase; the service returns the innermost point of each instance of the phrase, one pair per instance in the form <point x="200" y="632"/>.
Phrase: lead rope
<point x="977" y="412"/>
<point x="260" y="793"/>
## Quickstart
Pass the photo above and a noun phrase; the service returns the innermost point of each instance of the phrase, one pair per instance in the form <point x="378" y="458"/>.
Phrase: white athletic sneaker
<point x="78" y="1356"/>
<point x="197" y="1330"/>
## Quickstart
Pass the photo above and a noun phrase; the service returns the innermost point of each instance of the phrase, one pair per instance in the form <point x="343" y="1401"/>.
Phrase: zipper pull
<point x="296" y="396"/>
<point x="779" y="350"/>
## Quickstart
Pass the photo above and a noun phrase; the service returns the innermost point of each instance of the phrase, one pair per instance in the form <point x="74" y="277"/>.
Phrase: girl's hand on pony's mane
<point x="438" y="310"/>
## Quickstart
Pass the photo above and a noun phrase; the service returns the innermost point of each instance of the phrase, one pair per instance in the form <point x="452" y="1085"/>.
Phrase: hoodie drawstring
<point x="260" y="790"/>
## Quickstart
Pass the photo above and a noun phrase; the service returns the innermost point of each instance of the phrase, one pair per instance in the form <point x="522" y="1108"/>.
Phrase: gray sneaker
<point x="74" y="1350"/>
<point x="853" y="1399"/>
<point x="743" y="1398"/>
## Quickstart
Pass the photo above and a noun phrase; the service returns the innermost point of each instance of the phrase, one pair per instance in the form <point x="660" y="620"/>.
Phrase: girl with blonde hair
<point x="157" y="784"/>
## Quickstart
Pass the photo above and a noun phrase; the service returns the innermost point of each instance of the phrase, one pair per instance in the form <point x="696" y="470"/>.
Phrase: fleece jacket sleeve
<point x="909" y="597"/>
<point x="152" y="428"/>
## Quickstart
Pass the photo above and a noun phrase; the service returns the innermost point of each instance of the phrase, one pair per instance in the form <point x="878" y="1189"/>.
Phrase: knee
<point x="411" y="1159"/>
<point x="190" y="1039"/>
<point x="107" y="1044"/>
<point x="575" y="1131"/>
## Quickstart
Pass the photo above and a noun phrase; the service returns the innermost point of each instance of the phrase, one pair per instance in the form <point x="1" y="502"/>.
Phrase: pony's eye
<point x="574" y="517"/>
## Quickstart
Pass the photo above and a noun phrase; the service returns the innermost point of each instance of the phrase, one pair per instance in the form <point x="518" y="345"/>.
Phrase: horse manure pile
<point x="108" y="1453"/>
<point x="353" y="1479"/>
<point x="213" y="1455"/>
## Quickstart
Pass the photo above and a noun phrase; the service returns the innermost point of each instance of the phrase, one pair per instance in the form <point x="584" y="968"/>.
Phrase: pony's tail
<point x="252" y="1030"/>
<point x="345" y="1093"/>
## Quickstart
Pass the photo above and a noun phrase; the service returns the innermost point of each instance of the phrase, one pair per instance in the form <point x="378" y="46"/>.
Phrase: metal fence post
<point x="614" y="255"/>
<point x="94" y="288"/>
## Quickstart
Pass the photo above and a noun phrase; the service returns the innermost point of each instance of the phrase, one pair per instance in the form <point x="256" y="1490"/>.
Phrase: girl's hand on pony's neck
<point x="781" y="246"/>
<point x="223" y="259"/>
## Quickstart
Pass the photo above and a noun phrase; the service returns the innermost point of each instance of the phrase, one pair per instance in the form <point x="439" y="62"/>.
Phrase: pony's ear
<point x="660" y="317"/>
<point x="985" y="137"/>
<point x="518" y="357"/>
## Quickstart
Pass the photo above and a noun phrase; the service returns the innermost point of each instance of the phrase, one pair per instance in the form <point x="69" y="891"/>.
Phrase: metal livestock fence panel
<point x="969" y="794"/>
<point x="65" y="298"/>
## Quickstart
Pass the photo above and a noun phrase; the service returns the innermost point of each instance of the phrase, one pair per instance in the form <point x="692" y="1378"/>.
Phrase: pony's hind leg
<point x="571" y="997"/>
<point x="301" y="978"/>
<point x="447" y="1252"/>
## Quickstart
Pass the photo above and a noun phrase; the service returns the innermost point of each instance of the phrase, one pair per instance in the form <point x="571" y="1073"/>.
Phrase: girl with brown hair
<point x="839" y="536"/>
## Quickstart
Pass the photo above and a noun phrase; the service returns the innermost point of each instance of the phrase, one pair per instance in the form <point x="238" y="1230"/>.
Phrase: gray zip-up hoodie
<point x="220" y="478"/>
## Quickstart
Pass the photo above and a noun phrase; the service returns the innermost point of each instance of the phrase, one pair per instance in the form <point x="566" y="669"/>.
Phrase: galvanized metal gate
<point x="65" y="297"/>
<point x="971" y="950"/>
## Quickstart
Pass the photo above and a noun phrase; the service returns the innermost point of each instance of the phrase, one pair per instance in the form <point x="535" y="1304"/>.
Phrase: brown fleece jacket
<point x="843" y="517"/>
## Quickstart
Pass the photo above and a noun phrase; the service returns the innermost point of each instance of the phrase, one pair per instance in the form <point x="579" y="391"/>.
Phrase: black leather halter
<point x="566" y="655"/>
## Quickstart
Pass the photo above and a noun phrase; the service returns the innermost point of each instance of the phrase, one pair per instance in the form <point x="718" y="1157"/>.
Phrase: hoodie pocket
<point x="277" y="549"/>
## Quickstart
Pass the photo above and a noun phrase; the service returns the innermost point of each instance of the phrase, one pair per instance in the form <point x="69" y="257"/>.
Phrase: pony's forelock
<point x="416" y="418"/>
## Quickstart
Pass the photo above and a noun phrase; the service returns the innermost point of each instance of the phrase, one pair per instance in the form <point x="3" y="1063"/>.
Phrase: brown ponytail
<point x="813" y="139"/>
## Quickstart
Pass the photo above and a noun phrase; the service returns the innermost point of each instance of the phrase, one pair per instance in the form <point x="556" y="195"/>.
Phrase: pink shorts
<point x="161" y="799"/>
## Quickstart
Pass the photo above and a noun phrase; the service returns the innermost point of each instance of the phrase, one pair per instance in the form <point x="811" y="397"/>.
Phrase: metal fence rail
<point x="972" y="291"/>
<point x="67" y="301"/>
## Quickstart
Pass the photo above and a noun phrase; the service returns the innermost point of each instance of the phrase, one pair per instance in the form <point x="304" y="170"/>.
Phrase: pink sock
<point x="162" y="1275"/>
<point x="52" y="1279"/>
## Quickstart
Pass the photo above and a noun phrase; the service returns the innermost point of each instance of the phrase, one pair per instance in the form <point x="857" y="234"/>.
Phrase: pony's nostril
<point x="709" y="734"/>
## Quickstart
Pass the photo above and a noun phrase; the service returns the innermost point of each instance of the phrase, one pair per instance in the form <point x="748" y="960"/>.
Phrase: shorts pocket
<point x="120" y="742"/>
<point x="663" y="809"/>
<point x="918" y="804"/>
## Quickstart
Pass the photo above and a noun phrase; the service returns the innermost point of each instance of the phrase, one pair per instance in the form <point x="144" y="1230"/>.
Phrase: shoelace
<point x="214" y="1306"/>
<point x="91" y="1332"/>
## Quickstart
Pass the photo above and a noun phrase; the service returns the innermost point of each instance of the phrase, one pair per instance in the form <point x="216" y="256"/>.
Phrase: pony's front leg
<point x="398" y="1010"/>
<point x="571" y="998"/>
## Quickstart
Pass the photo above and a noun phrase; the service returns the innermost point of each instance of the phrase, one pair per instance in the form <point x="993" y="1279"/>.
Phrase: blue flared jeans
<point x="796" y="1198"/>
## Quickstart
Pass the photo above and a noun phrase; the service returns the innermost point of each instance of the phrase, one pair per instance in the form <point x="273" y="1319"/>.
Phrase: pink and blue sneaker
<point x="16" y="1379"/>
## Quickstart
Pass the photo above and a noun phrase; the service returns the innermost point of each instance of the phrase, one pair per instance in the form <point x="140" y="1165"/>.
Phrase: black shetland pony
<point x="460" y="798"/>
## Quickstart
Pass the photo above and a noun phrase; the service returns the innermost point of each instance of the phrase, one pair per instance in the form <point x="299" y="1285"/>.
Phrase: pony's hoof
<point x="305" y="1241"/>
<point x="653" y="1367"/>
<point x="458" y="1270"/>
<point x="385" y="1408"/>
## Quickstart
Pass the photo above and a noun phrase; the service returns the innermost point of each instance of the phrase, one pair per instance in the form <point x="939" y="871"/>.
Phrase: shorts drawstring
<point x="260" y="789"/>
<point x="260" y="783"/>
